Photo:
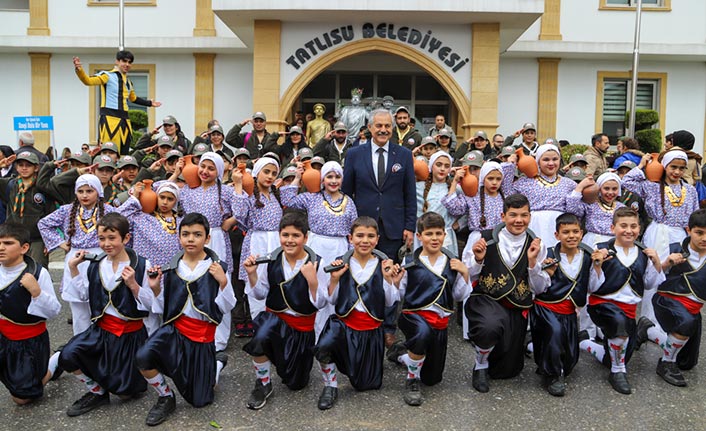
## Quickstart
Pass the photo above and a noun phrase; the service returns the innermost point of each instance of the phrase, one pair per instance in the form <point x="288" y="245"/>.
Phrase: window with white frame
<point x="649" y="5"/>
<point x="616" y="102"/>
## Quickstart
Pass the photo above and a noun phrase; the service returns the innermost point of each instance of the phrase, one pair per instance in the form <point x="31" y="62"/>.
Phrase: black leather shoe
<point x="619" y="382"/>
<point x="480" y="380"/>
<point x="395" y="351"/>
<point x="556" y="386"/>
<point x="259" y="395"/>
<point x="160" y="410"/>
<point x="328" y="398"/>
<point x="642" y="326"/>
<point x="88" y="402"/>
<point x="413" y="393"/>
<point x="670" y="373"/>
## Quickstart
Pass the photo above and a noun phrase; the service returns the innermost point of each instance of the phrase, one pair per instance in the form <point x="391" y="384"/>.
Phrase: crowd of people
<point x="173" y="248"/>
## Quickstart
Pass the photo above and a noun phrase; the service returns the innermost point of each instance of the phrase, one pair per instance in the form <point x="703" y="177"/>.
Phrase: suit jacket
<point x="395" y="203"/>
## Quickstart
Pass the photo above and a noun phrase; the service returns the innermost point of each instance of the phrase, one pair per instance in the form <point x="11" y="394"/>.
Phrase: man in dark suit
<point x="379" y="176"/>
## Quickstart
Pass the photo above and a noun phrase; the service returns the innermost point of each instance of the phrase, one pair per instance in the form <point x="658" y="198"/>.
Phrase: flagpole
<point x="635" y="65"/>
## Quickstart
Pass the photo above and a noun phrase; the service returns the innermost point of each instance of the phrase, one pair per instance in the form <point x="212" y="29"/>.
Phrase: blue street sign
<point x="33" y="123"/>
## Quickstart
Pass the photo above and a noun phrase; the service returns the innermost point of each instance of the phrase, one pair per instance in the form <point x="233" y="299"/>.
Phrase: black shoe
<point x="259" y="395"/>
<point x="480" y="380"/>
<point x="583" y="335"/>
<point x="222" y="357"/>
<point x="413" y="393"/>
<point x="395" y="351"/>
<point x="70" y="321"/>
<point x="59" y="371"/>
<point x="328" y="398"/>
<point x="556" y="386"/>
<point x="619" y="382"/>
<point x="670" y="373"/>
<point x="161" y="410"/>
<point x="642" y="326"/>
<point x="88" y="402"/>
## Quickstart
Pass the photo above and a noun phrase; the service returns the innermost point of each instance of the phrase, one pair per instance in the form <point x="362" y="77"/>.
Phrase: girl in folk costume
<point x="260" y="215"/>
<point x="483" y="210"/>
<point x="598" y="216"/>
<point x="214" y="201"/>
<point x="669" y="203"/>
<point x="431" y="193"/>
<point x="546" y="191"/>
<point x="331" y="214"/>
<point x="78" y="222"/>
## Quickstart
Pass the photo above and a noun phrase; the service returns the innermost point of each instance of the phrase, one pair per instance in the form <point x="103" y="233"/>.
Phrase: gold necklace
<point x="675" y="200"/>
<point x="88" y="225"/>
<point x="168" y="226"/>
<point x="606" y="207"/>
<point x="336" y="210"/>
<point x="546" y="183"/>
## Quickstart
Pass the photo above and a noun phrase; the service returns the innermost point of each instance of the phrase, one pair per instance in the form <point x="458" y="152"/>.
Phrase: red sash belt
<point x="507" y="304"/>
<point x="693" y="307"/>
<point x="198" y="331"/>
<point x="630" y="310"/>
<point x="298" y="323"/>
<point x="118" y="326"/>
<point x="432" y="318"/>
<point x="563" y="307"/>
<point x="15" y="332"/>
<point x="360" y="321"/>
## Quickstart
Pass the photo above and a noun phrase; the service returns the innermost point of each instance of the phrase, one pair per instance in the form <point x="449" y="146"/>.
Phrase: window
<point x="613" y="94"/>
<point x="647" y="5"/>
<point x="14" y="5"/>
<point x="140" y="82"/>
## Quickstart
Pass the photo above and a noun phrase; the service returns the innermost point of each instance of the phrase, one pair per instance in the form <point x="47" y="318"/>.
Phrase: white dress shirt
<point x="45" y="305"/>
<point x="625" y="293"/>
<point x="374" y="149"/>
<point x="696" y="262"/>
<point x="361" y="274"/>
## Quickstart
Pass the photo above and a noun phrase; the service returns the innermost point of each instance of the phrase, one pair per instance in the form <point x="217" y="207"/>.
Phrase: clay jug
<point x="311" y="178"/>
<point x="590" y="193"/>
<point x="148" y="198"/>
<point x="421" y="168"/>
<point x="248" y="181"/>
<point x="469" y="183"/>
<point x="654" y="169"/>
<point x="191" y="172"/>
<point x="526" y="164"/>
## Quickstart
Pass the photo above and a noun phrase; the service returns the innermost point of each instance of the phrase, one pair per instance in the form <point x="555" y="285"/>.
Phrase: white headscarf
<point x="487" y="168"/>
<point x="170" y="187"/>
<point x="543" y="149"/>
<point x="438" y="154"/>
<point x="670" y="156"/>
<point x="261" y="163"/>
<point x="91" y="181"/>
<point x="329" y="167"/>
<point x="216" y="159"/>
<point x="608" y="176"/>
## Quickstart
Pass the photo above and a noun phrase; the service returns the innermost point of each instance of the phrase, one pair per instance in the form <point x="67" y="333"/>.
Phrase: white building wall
<point x="233" y="95"/>
<point x="517" y="93"/>
<point x="16" y="88"/>
<point x="14" y="23"/>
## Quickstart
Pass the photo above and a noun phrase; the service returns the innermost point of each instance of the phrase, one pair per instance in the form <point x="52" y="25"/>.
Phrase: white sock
<point x="530" y="347"/>
<point x="90" y="384"/>
<point x="328" y="372"/>
<point x="672" y="348"/>
<point x="657" y="335"/>
<point x="414" y="367"/>
<point x="219" y="367"/>
<point x="53" y="363"/>
<point x="616" y="348"/>
<point x="482" y="357"/>
<point x="596" y="350"/>
<point x="262" y="371"/>
<point x="159" y="383"/>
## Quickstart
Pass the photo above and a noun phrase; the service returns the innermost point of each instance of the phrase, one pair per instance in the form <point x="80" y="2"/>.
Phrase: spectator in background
<point x="440" y="123"/>
<point x="204" y="137"/>
<point x="628" y="149"/>
<point x="498" y="142"/>
<point x="26" y="143"/>
<point x="596" y="155"/>
<point x="85" y="148"/>
<point x="529" y="134"/>
<point x="668" y="142"/>
<point x="685" y="140"/>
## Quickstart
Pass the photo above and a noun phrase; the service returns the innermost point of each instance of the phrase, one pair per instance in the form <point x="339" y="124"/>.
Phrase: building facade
<point x="492" y="66"/>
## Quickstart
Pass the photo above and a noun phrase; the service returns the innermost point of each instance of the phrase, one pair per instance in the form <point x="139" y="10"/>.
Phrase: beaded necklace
<point x="87" y="225"/>
<point x="675" y="200"/>
<point x="168" y="226"/>
<point x="336" y="210"/>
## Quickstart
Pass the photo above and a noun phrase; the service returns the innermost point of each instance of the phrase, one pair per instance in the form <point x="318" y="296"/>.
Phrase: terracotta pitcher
<point x="654" y="169"/>
<point x="526" y="164"/>
<point x="421" y="168"/>
<point x="148" y="198"/>
<point x="248" y="181"/>
<point x="469" y="183"/>
<point x="311" y="178"/>
<point x="191" y="172"/>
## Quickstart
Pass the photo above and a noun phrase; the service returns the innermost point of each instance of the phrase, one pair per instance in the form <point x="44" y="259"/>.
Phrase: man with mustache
<point x="379" y="175"/>
<point x="403" y="134"/>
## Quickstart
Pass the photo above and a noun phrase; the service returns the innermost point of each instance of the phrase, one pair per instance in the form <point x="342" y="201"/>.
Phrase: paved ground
<point x="519" y="403"/>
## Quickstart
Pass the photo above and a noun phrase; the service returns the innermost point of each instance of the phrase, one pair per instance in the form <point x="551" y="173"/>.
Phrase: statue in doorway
<point x="318" y="127"/>
<point x="388" y="102"/>
<point x="355" y="115"/>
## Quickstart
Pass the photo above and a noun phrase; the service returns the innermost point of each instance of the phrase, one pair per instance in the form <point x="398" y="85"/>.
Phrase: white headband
<point x="438" y="154"/>
<point x="91" y="181"/>
<point x="329" y="167"/>
<point x="608" y="176"/>
<point x="170" y="187"/>
<point x="216" y="159"/>
<point x="671" y="156"/>
<point x="487" y="168"/>
<point x="543" y="149"/>
<point x="261" y="163"/>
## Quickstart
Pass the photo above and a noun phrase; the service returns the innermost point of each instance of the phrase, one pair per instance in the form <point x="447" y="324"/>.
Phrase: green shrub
<point x="644" y="118"/>
<point x="570" y="150"/>
<point x="650" y="140"/>
<point x="138" y="119"/>
<point x="135" y="137"/>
